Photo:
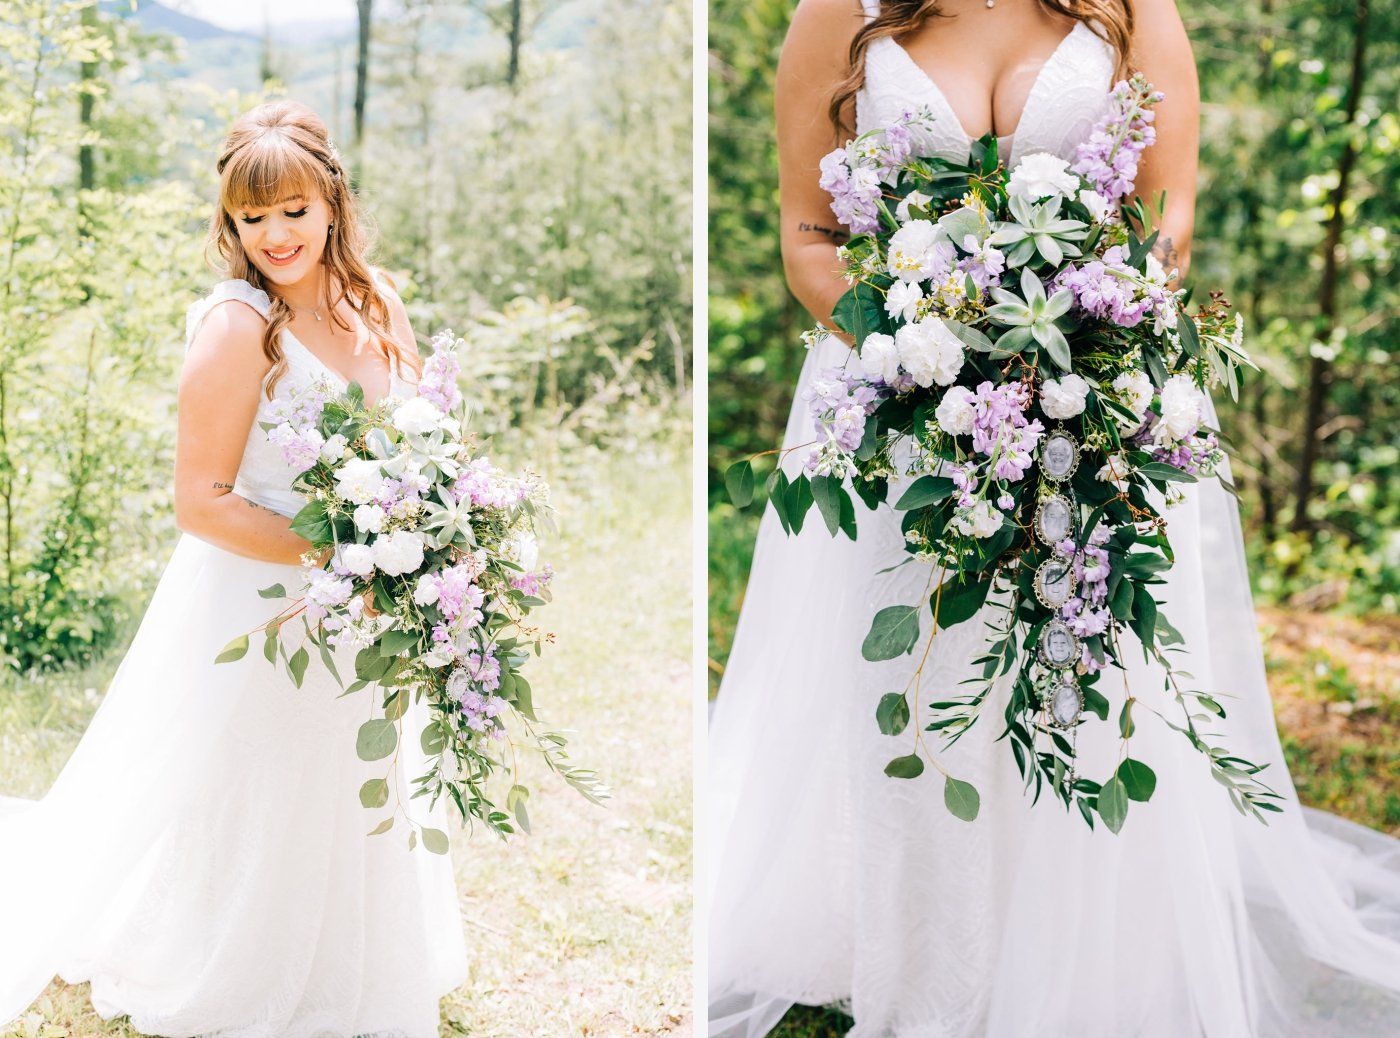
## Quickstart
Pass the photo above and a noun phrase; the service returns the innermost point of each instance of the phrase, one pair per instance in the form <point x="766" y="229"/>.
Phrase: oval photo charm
<point x="1054" y="582"/>
<point x="1059" y="456"/>
<point x="1066" y="703"/>
<point x="1059" y="647"/>
<point x="1054" y="519"/>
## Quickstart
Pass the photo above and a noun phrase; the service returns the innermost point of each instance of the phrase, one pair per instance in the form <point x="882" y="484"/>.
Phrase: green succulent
<point x="1038" y="230"/>
<point x="1031" y="321"/>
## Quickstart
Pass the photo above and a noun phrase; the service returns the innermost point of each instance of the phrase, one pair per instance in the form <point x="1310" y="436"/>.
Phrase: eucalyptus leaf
<point x="1138" y="780"/>
<point x="738" y="480"/>
<point x="377" y="738"/>
<point x="1113" y="804"/>
<point x="893" y="632"/>
<point x="907" y="767"/>
<point x="892" y="713"/>
<point x="435" y="840"/>
<point x="961" y="798"/>
<point x="234" y="650"/>
<point x="374" y="793"/>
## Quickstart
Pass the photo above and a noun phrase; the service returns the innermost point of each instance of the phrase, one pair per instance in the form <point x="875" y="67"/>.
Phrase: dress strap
<point x="234" y="288"/>
<point x="871" y="8"/>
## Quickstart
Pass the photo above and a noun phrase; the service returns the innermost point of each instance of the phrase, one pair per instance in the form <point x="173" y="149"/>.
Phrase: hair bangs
<point x="268" y="171"/>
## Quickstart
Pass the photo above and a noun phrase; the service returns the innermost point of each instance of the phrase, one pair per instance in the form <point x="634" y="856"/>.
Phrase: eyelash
<point x="295" y="216"/>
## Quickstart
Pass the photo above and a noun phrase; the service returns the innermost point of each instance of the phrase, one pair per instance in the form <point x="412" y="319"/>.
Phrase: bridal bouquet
<point x="1024" y="368"/>
<point x="425" y="560"/>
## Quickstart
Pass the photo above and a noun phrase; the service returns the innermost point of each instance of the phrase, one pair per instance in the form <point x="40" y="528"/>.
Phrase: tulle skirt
<point x="202" y="858"/>
<point x="829" y="883"/>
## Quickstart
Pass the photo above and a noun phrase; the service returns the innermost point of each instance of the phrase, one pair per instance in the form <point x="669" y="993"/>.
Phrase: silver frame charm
<point x="1039" y="521"/>
<point x="1058" y="433"/>
<point x="1065" y="680"/>
<point x="1041" y="580"/>
<point x="1042" y="650"/>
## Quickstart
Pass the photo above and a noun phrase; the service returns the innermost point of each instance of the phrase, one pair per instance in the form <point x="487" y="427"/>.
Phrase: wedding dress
<point x="202" y="858"/>
<point x="829" y="883"/>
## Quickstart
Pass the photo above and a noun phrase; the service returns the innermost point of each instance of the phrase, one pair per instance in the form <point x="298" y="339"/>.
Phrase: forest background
<point x="528" y="166"/>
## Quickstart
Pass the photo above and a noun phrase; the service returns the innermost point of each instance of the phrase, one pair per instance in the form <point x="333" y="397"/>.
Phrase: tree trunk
<point x="516" y="31"/>
<point x="362" y="70"/>
<point x="1320" y="368"/>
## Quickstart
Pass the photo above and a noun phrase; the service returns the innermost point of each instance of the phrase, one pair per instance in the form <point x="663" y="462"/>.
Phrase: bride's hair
<point x="281" y="150"/>
<point x="900" y="17"/>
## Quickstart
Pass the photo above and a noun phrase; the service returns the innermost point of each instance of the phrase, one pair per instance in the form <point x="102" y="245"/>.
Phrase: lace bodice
<point x="263" y="477"/>
<point x="1070" y="94"/>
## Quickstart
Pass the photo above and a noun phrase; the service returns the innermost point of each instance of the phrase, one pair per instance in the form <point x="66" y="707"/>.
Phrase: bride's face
<point x="285" y="241"/>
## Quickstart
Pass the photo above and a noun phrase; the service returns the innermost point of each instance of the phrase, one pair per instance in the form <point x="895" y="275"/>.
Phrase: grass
<point x="583" y="928"/>
<point x="1334" y="680"/>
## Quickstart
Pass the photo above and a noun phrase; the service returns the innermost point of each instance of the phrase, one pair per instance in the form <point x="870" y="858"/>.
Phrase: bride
<point x="202" y="859"/>
<point x="830" y="883"/>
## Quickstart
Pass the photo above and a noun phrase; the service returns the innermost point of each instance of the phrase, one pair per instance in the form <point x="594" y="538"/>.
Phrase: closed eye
<point x="290" y="215"/>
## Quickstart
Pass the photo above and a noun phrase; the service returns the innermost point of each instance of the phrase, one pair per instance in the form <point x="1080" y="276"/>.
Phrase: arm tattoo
<point x="1165" y="250"/>
<point x="835" y="235"/>
<point x="223" y="486"/>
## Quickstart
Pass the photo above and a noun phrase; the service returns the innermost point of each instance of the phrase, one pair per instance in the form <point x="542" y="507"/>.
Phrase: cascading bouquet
<point x="430" y="572"/>
<point x="1023" y="362"/>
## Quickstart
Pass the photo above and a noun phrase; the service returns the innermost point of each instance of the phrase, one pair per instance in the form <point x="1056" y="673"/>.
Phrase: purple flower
<point x="438" y="385"/>
<point x="1108" y="157"/>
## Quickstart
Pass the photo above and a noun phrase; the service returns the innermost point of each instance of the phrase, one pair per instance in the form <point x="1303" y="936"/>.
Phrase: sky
<point x="250" y="14"/>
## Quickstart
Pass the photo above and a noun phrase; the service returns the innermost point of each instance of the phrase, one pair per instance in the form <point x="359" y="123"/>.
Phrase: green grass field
<point x="583" y="928"/>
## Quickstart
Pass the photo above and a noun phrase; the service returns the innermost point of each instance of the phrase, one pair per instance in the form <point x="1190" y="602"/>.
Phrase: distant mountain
<point x="159" y="18"/>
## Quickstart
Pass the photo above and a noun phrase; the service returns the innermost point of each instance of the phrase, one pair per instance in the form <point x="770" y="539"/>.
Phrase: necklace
<point x="315" y="311"/>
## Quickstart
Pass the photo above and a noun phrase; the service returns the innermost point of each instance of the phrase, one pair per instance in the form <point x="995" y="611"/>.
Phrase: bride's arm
<point x="814" y="60"/>
<point x="1163" y="53"/>
<point x="218" y="397"/>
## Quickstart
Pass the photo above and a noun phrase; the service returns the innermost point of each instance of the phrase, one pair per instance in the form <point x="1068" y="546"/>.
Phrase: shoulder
<point x="832" y="15"/>
<point x="398" y="314"/>
<point x="816" y="50"/>
<point x="226" y="340"/>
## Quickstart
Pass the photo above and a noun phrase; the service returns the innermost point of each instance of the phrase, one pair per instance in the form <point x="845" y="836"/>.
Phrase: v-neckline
<point x="1030" y="94"/>
<point x="389" y="385"/>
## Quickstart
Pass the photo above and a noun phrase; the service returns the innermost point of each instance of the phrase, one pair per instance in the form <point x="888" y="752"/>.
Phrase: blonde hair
<point x="900" y="17"/>
<point x="281" y="150"/>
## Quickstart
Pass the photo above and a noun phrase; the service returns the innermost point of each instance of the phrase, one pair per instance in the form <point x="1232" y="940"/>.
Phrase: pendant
<point x="1059" y="455"/>
<point x="1066" y="702"/>
<point x="1059" y="646"/>
<point x="991" y="4"/>
<point x="1054" y="582"/>
<point x="1054" y="519"/>
<point x="317" y="314"/>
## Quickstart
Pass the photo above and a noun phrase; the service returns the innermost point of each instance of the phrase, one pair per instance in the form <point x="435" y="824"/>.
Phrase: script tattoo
<point x="223" y="486"/>
<point x="832" y="233"/>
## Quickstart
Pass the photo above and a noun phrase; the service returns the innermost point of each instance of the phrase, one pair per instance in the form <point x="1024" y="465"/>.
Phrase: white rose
<point x="357" y="559"/>
<point x="879" y="357"/>
<point x="929" y="352"/>
<point x="917" y="199"/>
<point x="1182" y="406"/>
<point x="334" y="448"/>
<point x="902" y="300"/>
<point x="914" y="254"/>
<point x="425" y="592"/>
<point x="955" y="411"/>
<point x="980" y="521"/>
<point x="1063" y="397"/>
<point x="1041" y="175"/>
<point x="1096" y="203"/>
<point x="398" y="553"/>
<point x="416" y="416"/>
<point x="369" y="518"/>
<point x="1135" y="390"/>
<point x="359" y="481"/>
<point x="1116" y="471"/>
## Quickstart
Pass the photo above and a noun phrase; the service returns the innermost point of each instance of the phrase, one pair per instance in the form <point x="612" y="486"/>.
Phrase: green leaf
<point x="234" y="650"/>
<point x="1113" y="804"/>
<point x="911" y="766"/>
<point x="892" y="714"/>
<point x="1138" y="780"/>
<point x="327" y="660"/>
<point x="777" y="497"/>
<point x="925" y="491"/>
<point x="847" y="519"/>
<point x="297" y="665"/>
<point x="391" y="643"/>
<point x="276" y="591"/>
<point x="382" y="827"/>
<point x="827" y="492"/>
<point x="860" y="311"/>
<point x="270" y="645"/>
<point x="1096" y="702"/>
<point x="1126" y="726"/>
<point x="960" y="598"/>
<point x="377" y="739"/>
<point x="1145" y="613"/>
<point x="374" y="793"/>
<point x="799" y="500"/>
<point x="311" y="523"/>
<point x="738" y="480"/>
<point x="1167" y="473"/>
<point x="962" y="799"/>
<point x="435" y="840"/>
<point x="432" y="740"/>
<point x="893" y="632"/>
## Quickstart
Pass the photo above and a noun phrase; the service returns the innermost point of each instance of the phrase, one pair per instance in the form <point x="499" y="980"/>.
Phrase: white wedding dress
<point x="829" y="883"/>
<point x="202" y="858"/>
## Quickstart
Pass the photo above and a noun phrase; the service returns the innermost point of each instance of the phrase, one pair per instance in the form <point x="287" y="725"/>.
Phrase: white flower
<point x="1063" y="397"/>
<point x="398" y="553"/>
<point x="334" y="448"/>
<point x="1040" y="176"/>
<point x="357" y="559"/>
<point x="981" y="520"/>
<point x="929" y="352"/>
<point x="918" y="250"/>
<point x="522" y="549"/>
<point x="426" y="591"/>
<point x="359" y="480"/>
<point x="955" y="411"/>
<point x="902" y="300"/>
<point x="1182" y="406"/>
<point x="1116" y="471"/>
<point x="436" y="658"/>
<point x="1096" y="203"/>
<point x="416" y="416"/>
<point x="879" y="357"/>
<point x="1135" y="390"/>
<point x="369" y="518"/>
<point x="917" y="199"/>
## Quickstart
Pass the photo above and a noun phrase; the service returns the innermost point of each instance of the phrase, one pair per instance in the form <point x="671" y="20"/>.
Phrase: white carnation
<point x="426" y="591"/>
<point x="1182" y="406"/>
<point x="357" y="559"/>
<point x="902" y="300"/>
<point x="955" y="411"/>
<point x="929" y="352"/>
<point x="416" y="416"/>
<point x="1134" y="388"/>
<point x="1096" y="203"/>
<point x="369" y="518"/>
<point x="398" y="553"/>
<point x="981" y="520"/>
<point x="334" y="448"/>
<point x="917" y="199"/>
<point x="879" y="357"/>
<point x="1040" y="176"/>
<point x="359" y="481"/>
<point x="914" y="250"/>
<point x="1063" y="397"/>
